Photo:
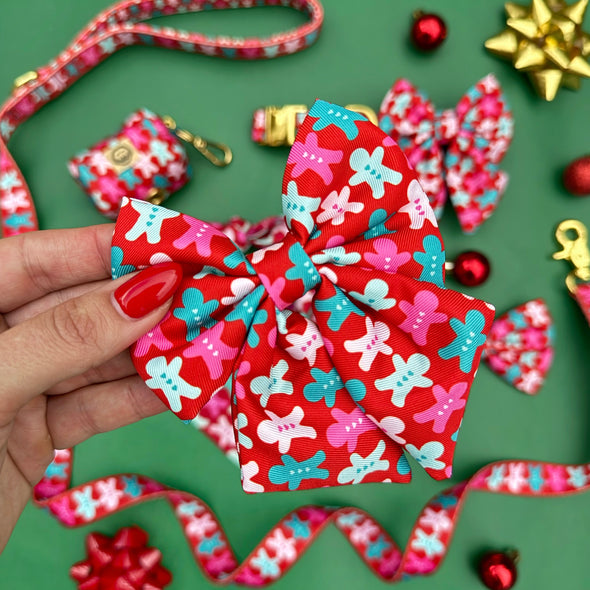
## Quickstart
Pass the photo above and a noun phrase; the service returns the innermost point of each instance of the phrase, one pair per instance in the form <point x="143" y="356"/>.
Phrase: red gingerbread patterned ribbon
<point x="456" y="151"/>
<point x="281" y="548"/>
<point x="246" y="235"/>
<point x="385" y="364"/>
<point x="519" y="347"/>
<point x="120" y="26"/>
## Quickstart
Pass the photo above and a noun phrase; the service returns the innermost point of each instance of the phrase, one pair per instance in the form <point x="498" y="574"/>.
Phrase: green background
<point x="361" y="51"/>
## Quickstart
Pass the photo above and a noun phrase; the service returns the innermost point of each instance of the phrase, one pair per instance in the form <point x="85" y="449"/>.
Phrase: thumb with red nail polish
<point x="86" y="331"/>
<point x="147" y="290"/>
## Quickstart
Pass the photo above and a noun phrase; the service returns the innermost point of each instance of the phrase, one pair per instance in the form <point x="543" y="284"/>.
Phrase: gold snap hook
<point x="201" y="144"/>
<point x="575" y="249"/>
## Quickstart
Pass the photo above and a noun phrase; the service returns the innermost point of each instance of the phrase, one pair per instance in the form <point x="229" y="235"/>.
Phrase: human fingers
<point x="15" y="492"/>
<point x="29" y="444"/>
<point x="37" y="306"/>
<point x="37" y="263"/>
<point x="118" y="367"/>
<point x="81" y="333"/>
<point x="76" y="416"/>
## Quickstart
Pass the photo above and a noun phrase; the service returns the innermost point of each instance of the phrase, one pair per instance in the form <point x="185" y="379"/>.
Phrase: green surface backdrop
<point x="361" y="51"/>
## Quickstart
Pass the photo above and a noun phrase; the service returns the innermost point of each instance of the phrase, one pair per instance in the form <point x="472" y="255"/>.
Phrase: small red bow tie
<point x="520" y="346"/>
<point x="388" y="358"/>
<point x="455" y="151"/>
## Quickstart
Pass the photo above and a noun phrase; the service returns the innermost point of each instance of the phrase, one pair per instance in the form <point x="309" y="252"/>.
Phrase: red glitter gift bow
<point x="274" y="555"/>
<point x="117" y="27"/>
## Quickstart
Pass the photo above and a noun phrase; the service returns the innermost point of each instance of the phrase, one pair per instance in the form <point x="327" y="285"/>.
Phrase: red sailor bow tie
<point x="456" y="151"/>
<point x="386" y="362"/>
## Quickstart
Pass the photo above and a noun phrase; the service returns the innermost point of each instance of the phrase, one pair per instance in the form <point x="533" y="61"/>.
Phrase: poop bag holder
<point x="145" y="160"/>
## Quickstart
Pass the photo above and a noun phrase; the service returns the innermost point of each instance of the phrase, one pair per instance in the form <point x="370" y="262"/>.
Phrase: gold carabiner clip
<point x="201" y="144"/>
<point x="575" y="250"/>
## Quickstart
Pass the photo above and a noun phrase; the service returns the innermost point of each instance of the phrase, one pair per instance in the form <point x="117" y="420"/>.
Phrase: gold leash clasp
<point x="575" y="249"/>
<point x="201" y="144"/>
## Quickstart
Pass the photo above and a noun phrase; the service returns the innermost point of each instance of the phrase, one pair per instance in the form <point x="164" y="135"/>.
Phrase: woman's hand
<point x="65" y="371"/>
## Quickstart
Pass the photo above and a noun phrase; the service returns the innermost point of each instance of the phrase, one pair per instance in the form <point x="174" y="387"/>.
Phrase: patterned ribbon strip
<point x="115" y="28"/>
<point x="283" y="545"/>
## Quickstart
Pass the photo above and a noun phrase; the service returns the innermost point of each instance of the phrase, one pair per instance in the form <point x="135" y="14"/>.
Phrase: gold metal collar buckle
<point x="281" y="123"/>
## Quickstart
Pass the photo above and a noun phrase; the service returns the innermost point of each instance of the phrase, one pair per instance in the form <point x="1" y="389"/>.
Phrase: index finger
<point x="37" y="263"/>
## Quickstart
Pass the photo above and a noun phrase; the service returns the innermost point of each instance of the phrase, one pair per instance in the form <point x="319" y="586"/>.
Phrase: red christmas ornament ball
<point x="497" y="570"/>
<point x="428" y="31"/>
<point x="576" y="177"/>
<point x="471" y="268"/>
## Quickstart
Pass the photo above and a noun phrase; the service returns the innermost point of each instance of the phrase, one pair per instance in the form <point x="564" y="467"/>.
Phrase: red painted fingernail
<point x="149" y="289"/>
